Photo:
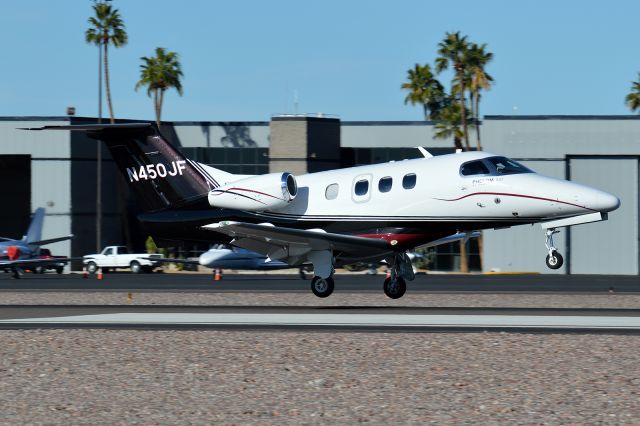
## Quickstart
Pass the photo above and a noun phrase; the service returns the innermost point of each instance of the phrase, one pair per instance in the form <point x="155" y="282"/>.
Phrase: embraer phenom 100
<point x="343" y="216"/>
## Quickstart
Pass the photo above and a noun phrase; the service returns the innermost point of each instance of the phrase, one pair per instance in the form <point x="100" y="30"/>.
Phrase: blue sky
<point x="246" y="60"/>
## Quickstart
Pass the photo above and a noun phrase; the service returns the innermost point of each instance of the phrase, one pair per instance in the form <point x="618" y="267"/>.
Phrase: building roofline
<point x="562" y="117"/>
<point x="35" y="118"/>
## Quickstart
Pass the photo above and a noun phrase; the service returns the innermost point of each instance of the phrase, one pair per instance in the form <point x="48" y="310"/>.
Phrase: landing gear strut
<point x="322" y="283"/>
<point x="554" y="259"/>
<point x="401" y="269"/>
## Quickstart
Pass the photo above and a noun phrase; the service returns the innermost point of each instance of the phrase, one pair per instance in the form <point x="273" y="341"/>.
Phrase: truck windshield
<point x="506" y="166"/>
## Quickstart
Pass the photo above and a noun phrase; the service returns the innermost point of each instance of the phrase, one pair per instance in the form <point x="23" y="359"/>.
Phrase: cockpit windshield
<point x="506" y="166"/>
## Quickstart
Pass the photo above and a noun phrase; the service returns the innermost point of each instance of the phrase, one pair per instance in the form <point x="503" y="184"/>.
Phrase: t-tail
<point x="160" y="175"/>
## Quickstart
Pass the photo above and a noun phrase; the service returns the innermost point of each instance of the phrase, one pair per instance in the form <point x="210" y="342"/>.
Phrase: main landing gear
<point x="395" y="285"/>
<point x="554" y="258"/>
<point x="322" y="287"/>
<point x="401" y="270"/>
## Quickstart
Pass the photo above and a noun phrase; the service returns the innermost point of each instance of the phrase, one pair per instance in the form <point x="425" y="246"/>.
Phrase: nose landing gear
<point x="554" y="258"/>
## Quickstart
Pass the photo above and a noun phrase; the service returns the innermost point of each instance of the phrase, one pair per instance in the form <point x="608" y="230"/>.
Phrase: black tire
<point x="394" y="290"/>
<point x="135" y="267"/>
<point x="91" y="267"/>
<point x="59" y="269"/>
<point x="322" y="287"/>
<point x="555" y="260"/>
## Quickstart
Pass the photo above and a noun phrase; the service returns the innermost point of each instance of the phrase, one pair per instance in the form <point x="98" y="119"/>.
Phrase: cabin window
<point x="473" y="168"/>
<point x="331" y="193"/>
<point x="385" y="184"/>
<point x="362" y="187"/>
<point x="108" y="252"/>
<point x="409" y="181"/>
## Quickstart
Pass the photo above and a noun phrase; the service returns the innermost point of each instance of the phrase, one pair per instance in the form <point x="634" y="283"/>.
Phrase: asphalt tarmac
<point x="350" y="283"/>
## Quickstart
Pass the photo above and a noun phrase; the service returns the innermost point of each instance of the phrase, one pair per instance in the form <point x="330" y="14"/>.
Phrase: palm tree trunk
<point x="463" y="109"/>
<point x="160" y="105"/>
<point x="477" y="101"/>
<point x="464" y="261"/>
<point x="106" y="81"/>
<point x="155" y="106"/>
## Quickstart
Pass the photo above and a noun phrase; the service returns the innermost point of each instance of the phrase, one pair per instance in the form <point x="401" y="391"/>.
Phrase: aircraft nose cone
<point x="610" y="203"/>
<point x="207" y="258"/>
<point x="602" y="201"/>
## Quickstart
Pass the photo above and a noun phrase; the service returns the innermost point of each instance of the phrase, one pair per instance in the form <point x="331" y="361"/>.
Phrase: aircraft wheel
<point x="135" y="267"/>
<point x="59" y="269"/>
<point x="322" y="287"/>
<point x="91" y="267"/>
<point x="555" y="260"/>
<point x="395" y="289"/>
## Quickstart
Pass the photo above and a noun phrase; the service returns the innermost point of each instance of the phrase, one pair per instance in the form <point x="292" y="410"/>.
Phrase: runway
<point x="366" y="318"/>
<point x="381" y="317"/>
<point x="528" y="283"/>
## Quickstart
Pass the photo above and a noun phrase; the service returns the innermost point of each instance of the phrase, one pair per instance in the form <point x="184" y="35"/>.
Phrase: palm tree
<point x="424" y="89"/>
<point x="479" y="80"/>
<point x="106" y="28"/>
<point x="454" y="50"/>
<point x="159" y="74"/>
<point x="633" y="98"/>
<point x="449" y="124"/>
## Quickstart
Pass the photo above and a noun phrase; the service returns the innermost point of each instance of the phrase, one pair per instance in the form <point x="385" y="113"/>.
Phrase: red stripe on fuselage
<point x="533" y="197"/>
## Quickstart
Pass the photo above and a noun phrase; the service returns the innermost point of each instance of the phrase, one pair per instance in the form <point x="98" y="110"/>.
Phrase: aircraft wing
<point x="292" y="245"/>
<point x="171" y="260"/>
<point x="50" y="241"/>
<point x="35" y="262"/>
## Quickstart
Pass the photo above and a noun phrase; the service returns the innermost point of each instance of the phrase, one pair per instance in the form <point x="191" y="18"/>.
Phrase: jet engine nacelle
<point x="264" y="192"/>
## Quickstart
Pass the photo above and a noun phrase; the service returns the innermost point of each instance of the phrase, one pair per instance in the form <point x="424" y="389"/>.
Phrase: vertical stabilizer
<point x="34" y="233"/>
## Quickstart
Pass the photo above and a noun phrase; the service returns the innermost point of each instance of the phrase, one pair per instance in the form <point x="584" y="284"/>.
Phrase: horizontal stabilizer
<point x="92" y="127"/>
<point x="50" y="241"/>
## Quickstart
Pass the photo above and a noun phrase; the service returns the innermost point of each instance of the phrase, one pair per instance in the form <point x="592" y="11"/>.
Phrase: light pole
<point x="99" y="158"/>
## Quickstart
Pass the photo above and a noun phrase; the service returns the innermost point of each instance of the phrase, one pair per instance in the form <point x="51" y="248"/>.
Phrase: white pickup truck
<point x="113" y="257"/>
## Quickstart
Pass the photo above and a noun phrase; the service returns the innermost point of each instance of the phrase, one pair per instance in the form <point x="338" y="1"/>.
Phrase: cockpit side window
<point x="506" y="166"/>
<point x="474" y="168"/>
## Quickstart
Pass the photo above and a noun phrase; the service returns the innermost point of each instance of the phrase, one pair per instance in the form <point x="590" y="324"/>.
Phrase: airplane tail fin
<point x="160" y="175"/>
<point x="34" y="232"/>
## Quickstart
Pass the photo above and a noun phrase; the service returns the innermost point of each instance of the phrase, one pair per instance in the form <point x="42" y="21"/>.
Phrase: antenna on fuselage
<point x="424" y="152"/>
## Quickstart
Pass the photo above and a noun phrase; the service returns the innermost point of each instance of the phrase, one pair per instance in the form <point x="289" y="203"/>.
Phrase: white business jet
<point x="343" y="216"/>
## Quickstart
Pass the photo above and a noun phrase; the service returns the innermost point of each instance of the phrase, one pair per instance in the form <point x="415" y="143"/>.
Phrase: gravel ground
<point x="245" y="377"/>
<point x="165" y="377"/>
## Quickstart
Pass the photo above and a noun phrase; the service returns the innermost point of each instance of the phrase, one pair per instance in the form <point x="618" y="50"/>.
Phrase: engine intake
<point x="257" y="193"/>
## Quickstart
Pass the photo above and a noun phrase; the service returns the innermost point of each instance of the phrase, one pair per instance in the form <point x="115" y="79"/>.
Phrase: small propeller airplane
<point x="17" y="255"/>
<point x="339" y="217"/>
